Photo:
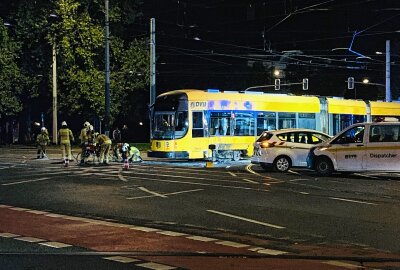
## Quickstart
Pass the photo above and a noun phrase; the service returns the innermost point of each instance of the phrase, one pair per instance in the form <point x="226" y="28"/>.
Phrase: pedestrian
<point x="105" y="145"/>
<point x="125" y="133"/>
<point x="116" y="135"/>
<point x="83" y="136"/>
<point x="42" y="141"/>
<point x="65" y="137"/>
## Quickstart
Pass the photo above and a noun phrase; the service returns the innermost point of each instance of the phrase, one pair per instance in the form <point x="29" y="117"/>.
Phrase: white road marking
<point x="4" y="206"/>
<point x="152" y="192"/>
<point x="156" y="266"/>
<point x="300" y="179"/>
<point x="30" y="239"/>
<point x="166" y="194"/>
<point x="343" y="264"/>
<point x="37" y="212"/>
<point x="201" y="238"/>
<point x="366" y="176"/>
<point x="231" y="244"/>
<point x="271" y="251"/>
<point x="304" y="193"/>
<point x="144" y="229"/>
<point x="231" y="173"/>
<point x="250" y="170"/>
<point x="193" y="183"/>
<point x="120" y="176"/>
<point x="176" y="175"/>
<point x="293" y="172"/>
<point x="26" y="181"/>
<point x="8" y="235"/>
<point x="247" y="219"/>
<point x="55" y="215"/>
<point x="121" y="259"/>
<point x="353" y="201"/>
<point x="19" y="209"/>
<point x="250" y="181"/>
<point x="170" y="233"/>
<point x="55" y="244"/>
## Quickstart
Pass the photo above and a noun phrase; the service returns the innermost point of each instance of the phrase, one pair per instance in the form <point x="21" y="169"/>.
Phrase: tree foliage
<point x="10" y="74"/>
<point x="78" y="33"/>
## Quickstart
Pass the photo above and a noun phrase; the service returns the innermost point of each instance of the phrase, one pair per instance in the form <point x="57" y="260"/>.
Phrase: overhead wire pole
<point x="388" y="94"/>
<point x="54" y="66"/>
<point x="152" y="68"/>
<point x="107" y="72"/>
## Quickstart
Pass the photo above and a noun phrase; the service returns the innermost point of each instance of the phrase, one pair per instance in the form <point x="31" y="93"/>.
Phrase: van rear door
<point x="383" y="148"/>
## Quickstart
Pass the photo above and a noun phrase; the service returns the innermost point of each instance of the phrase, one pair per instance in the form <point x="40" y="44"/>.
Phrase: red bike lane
<point x="165" y="249"/>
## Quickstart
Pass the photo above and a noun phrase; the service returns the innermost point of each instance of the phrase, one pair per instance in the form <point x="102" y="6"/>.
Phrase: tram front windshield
<point x="169" y="125"/>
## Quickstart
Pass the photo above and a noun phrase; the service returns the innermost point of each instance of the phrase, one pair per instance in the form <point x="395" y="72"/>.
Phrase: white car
<point x="286" y="148"/>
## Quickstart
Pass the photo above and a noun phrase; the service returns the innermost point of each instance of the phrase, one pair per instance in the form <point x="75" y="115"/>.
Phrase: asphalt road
<point x="236" y="201"/>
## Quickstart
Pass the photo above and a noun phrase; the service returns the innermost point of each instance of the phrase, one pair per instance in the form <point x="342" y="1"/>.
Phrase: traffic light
<point x="305" y="84"/>
<point x="277" y="84"/>
<point x="350" y="83"/>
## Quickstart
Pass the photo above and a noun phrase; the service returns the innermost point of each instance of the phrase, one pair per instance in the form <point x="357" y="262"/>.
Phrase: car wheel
<point x="282" y="164"/>
<point x="324" y="167"/>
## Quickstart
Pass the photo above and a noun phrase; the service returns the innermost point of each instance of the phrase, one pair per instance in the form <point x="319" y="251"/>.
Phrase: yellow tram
<point x="190" y="124"/>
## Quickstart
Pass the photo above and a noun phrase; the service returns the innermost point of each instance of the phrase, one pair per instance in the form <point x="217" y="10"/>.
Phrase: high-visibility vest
<point x="103" y="139"/>
<point x="84" y="136"/>
<point x="65" y="135"/>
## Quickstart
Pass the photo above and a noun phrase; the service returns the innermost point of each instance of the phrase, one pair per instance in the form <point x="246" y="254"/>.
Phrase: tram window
<point x="266" y="121"/>
<point x="244" y="124"/>
<point x="342" y="121"/>
<point x="197" y="130"/>
<point x="181" y="124"/>
<point x="307" y="120"/>
<point x="220" y="124"/>
<point x="287" y="120"/>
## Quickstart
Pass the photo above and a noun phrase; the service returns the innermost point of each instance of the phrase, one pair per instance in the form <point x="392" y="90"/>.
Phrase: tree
<point x="10" y="74"/>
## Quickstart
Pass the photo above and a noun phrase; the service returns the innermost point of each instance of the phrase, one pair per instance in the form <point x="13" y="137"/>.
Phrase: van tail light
<point x="266" y="144"/>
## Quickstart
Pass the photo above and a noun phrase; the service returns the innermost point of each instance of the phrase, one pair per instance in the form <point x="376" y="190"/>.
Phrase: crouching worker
<point x="42" y="141"/>
<point x="131" y="153"/>
<point x="104" y="142"/>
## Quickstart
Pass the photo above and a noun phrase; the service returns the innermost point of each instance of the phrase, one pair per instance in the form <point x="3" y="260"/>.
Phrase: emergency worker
<point x="83" y="136"/>
<point x="105" y="145"/>
<point x="65" y="137"/>
<point x="42" y="141"/>
<point x="131" y="153"/>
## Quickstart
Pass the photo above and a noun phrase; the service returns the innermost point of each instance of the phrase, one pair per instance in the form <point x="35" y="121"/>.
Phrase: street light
<point x="365" y="81"/>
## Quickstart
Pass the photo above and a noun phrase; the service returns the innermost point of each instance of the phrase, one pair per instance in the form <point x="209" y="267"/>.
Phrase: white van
<point x="360" y="147"/>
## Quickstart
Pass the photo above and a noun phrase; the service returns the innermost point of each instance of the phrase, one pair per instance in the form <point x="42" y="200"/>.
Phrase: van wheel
<point x="324" y="166"/>
<point x="282" y="164"/>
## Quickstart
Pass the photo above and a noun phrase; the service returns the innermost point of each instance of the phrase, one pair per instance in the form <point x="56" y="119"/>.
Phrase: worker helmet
<point x="125" y="147"/>
<point x="63" y="123"/>
<point x="91" y="127"/>
<point x="43" y="129"/>
<point x="86" y="124"/>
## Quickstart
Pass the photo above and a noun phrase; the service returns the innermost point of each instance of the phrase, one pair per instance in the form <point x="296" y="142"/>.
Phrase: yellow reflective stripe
<point x="364" y="148"/>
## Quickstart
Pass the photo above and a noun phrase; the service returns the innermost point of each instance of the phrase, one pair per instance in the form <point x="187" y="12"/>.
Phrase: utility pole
<point x="388" y="94"/>
<point x="152" y="67"/>
<point x="107" y="73"/>
<point x="54" y="93"/>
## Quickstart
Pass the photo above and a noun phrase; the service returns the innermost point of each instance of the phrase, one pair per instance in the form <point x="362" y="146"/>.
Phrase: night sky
<point x="232" y="45"/>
